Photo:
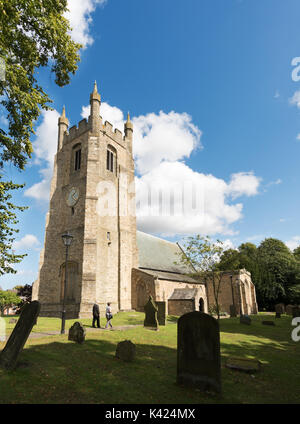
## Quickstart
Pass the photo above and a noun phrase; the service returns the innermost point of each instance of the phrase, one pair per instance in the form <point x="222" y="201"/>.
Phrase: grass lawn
<point x="54" y="370"/>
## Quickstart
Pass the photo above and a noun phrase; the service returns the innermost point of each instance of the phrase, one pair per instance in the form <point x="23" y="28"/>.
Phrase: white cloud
<point x="163" y="137"/>
<point x="295" y="100"/>
<point x="44" y="146"/>
<point x="243" y="183"/>
<point x="80" y="18"/>
<point x="293" y="242"/>
<point x="29" y="241"/>
<point x="276" y="95"/>
<point x="256" y="237"/>
<point x="161" y="143"/>
<point x="109" y="113"/>
<point x="298" y="137"/>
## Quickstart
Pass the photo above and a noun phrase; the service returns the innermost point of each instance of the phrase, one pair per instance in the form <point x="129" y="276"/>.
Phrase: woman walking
<point x="108" y="315"/>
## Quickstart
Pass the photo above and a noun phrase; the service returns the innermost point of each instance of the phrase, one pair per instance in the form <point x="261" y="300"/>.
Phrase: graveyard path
<point x="36" y="335"/>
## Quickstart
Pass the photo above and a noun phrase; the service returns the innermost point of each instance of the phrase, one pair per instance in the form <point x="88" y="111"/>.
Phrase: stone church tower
<point x="93" y="198"/>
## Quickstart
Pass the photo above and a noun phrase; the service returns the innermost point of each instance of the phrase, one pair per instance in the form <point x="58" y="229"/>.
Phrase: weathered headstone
<point x="268" y="322"/>
<point x="161" y="313"/>
<point x="19" y="336"/>
<point x="126" y="351"/>
<point x="277" y="315"/>
<point x="280" y="308"/>
<point x="198" y="351"/>
<point x="77" y="333"/>
<point x="289" y="309"/>
<point x="296" y="311"/>
<point x="245" y="319"/>
<point x="150" y="314"/>
<point x="243" y="364"/>
<point x="233" y="312"/>
<point x="12" y="321"/>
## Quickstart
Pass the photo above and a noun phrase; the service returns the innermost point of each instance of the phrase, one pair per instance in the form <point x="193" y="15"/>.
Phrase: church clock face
<point x="72" y="196"/>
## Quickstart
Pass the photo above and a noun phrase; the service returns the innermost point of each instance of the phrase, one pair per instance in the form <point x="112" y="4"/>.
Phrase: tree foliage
<point x="33" y="34"/>
<point x="25" y="293"/>
<point x="8" y="299"/>
<point x="8" y="220"/>
<point x="204" y="255"/>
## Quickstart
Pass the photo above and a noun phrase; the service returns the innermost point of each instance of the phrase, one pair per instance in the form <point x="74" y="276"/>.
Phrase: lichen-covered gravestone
<point x="19" y="336"/>
<point x="245" y="319"/>
<point x="150" y="314"/>
<point x="126" y="351"/>
<point x="161" y="313"/>
<point x="198" y="352"/>
<point x="77" y="333"/>
<point x="295" y="311"/>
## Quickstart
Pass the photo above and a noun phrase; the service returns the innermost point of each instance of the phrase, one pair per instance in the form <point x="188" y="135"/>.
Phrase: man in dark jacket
<point x="96" y="315"/>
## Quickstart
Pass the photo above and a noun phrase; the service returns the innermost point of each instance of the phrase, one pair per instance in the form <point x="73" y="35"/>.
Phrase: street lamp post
<point x="67" y="239"/>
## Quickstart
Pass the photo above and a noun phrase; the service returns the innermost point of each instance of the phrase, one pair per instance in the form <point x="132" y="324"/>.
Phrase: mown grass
<point x="54" y="370"/>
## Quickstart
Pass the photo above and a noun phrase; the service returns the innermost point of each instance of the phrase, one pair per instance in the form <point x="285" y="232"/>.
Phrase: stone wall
<point x="181" y="307"/>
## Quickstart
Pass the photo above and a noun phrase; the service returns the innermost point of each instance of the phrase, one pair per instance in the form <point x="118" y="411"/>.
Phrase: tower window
<point x="110" y="161"/>
<point x="77" y="159"/>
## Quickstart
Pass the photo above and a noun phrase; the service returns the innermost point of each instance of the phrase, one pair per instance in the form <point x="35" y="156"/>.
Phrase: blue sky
<point x="211" y="80"/>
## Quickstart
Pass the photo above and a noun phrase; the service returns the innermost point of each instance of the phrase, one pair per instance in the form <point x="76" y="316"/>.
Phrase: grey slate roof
<point x="183" y="294"/>
<point x="163" y="275"/>
<point x="158" y="254"/>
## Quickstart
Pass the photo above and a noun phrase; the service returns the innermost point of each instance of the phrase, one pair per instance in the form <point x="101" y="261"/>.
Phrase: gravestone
<point x="12" y="321"/>
<point x="245" y="319"/>
<point x="296" y="311"/>
<point x="233" y="313"/>
<point x="243" y="364"/>
<point x="77" y="333"/>
<point x="289" y="309"/>
<point x="198" y="351"/>
<point x="126" y="351"/>
<point x="268" y="323"/>
<point x="280" y="308"/>
<point x="19" y="336"/>
<point x="161" y="313"/>
<point x="277" y="315"/>
<point x="150" y="314"/>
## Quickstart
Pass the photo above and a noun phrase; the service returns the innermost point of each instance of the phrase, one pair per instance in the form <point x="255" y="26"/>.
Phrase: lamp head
<point x="67" y="239"/>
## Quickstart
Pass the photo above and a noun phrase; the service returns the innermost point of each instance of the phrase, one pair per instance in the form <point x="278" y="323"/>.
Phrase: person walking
<point x="108" y="315"/>
<point x="96" y="315"/>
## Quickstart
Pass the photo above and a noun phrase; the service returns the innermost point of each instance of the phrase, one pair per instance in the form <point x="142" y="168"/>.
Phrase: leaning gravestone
<point x="77" y="333"/>
<point x="279" y="308"/>
<point x="126" y="351"/>
<point x="161" y="313"/>
<point x="245" y="319"/>
<point x="289" y="309"/>
<point x="150" y="314"/>
<point x="19" y="336"/>
<point x="198" y="351"/>
<point x="296" y="311"/>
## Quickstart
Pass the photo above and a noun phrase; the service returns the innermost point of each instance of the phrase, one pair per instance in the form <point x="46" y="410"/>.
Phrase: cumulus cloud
<point x="80" y="18"/>
<point x="243" y="183"/>
<point x="29" y="241"/>
<point x="44" y="146"/>
<point x="182" y="201"/>
<point x="293" y="242"/>
<point x="163" y="137"/>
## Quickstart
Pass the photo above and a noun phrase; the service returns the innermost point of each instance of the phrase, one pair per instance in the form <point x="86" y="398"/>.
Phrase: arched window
<point x="201" y="305"/>
<point x="111" y="159"/>
<point x="76" y="152"/>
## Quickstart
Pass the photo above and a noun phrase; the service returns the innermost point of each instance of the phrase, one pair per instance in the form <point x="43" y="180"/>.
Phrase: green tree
<point x="25" y="293"/>
<point x="33" y="34"/>
<point x="204" y="255"/>
<point x="296" y="253"/>
<point x="7" y="300"/>
<point x="8" y="220"/>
